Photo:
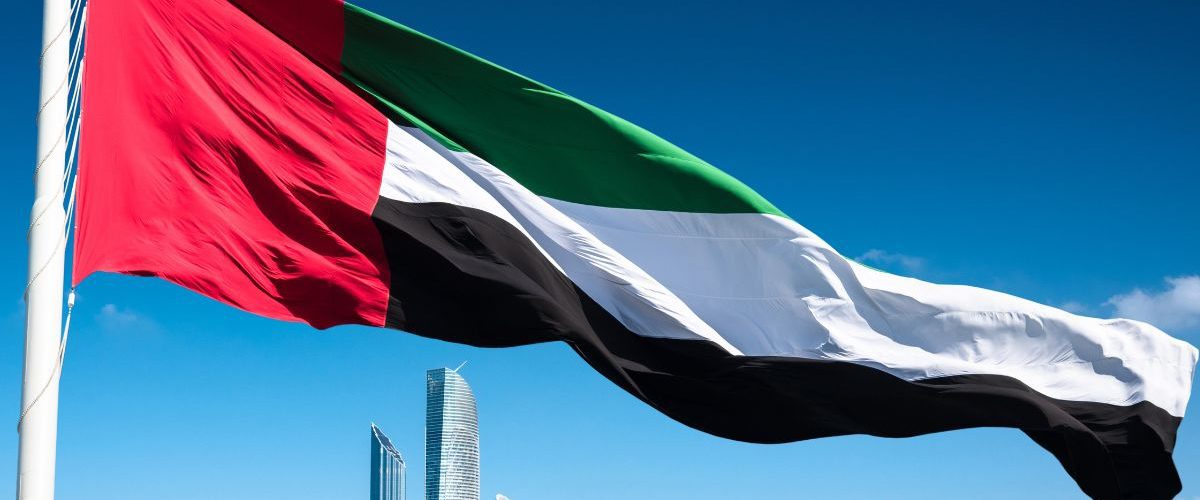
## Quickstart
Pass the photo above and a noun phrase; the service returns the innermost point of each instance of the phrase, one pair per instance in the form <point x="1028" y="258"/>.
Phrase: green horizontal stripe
<point x="556" y="145"/>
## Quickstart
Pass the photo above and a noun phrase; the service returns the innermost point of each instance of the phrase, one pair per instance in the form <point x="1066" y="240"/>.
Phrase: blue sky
<point x="1045" y="149"/>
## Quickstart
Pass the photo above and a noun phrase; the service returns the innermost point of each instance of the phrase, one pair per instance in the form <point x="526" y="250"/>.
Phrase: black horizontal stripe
<point x="467" y="276"/>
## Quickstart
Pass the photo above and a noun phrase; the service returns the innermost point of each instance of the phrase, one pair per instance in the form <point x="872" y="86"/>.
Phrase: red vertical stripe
<point x="217" y="156"/>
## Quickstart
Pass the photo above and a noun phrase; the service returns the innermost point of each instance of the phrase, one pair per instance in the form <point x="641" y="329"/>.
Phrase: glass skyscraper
<point x="451" y="437"/>
<point x="387" y="468"/>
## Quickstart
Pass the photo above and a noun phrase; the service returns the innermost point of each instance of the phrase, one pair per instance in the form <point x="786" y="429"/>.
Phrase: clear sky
<point x="1045" y="149"/>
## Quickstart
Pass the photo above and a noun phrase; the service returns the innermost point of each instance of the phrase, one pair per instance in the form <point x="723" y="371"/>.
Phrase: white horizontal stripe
<point x="771" y="287"/>
<point x="420" y="170"/>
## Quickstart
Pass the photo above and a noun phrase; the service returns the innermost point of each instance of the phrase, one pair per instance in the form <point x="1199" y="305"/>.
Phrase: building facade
<point x="451" y="437"/>
<point x="387" y="468"/>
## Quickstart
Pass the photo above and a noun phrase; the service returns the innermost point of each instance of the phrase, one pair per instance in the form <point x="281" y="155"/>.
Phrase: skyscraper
<point x="451" y="437"/>
<point x="387" y="468"/>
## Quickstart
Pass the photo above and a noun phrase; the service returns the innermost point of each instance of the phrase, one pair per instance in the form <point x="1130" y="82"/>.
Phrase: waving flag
<point x="308" y="160"/>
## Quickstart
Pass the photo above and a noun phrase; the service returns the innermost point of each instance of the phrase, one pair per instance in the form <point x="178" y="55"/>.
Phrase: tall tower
<point x="451" y="437"/>
<point x="387" y="468"/>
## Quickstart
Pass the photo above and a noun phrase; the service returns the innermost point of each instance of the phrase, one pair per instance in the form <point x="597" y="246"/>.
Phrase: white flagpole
<point x="47" y="248"/>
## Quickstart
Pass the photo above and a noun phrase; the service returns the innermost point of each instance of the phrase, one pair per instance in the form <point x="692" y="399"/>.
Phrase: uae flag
<point x="310" y="161"/>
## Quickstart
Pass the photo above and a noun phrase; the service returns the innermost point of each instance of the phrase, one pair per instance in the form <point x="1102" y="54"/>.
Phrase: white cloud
<point x="905" y="264"/>
<point x="1176" y="308"/>
<point x="116" y="319"/>
<point x="501" y="497"/>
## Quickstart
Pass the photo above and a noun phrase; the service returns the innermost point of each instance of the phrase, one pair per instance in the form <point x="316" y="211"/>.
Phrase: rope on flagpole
<point x="62" y="347"/>
<point x="70" y="133"/>
<point x="58" y="365"/>
<point x="66" y="229"/>
<point x="71" y="20"/>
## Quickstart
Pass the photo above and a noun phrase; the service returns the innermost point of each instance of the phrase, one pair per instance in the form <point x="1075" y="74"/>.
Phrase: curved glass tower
<point x="387" y="468"/>
<point x="451" y="438"/>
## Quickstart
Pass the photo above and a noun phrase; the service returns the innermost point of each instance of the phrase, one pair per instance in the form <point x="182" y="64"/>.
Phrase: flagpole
<point x="47" y="247"/>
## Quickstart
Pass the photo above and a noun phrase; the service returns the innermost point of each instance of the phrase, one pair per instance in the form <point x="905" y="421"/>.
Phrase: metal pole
<point x="44" y="299"/>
